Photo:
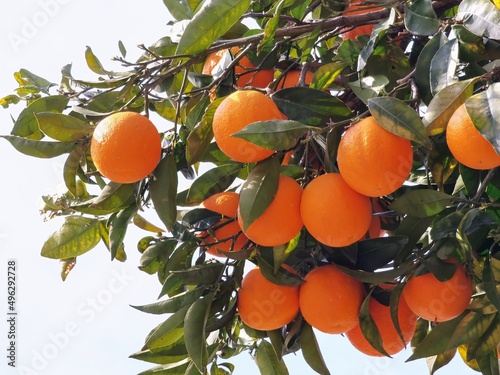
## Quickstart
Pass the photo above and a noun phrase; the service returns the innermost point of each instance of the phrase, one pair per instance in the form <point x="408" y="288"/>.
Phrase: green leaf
<point x="272" y="24"/>
<point x="180" y="10"/>
<point x="70" y="169"/>
<point x="423" y="65"/>
<point x="39" y="149"/>
<point x="413" y="228"/>
<point x="368" y="327"/>
<point x="470" y="328"/>
<point x="164" y="191"/>
<point x="369" y="87"/>
<point x="274" y="134"/>
<point x="488" y="364"/>
<point x="490" y="284"/>
<point x="258" y="190"/>
<point x="444" y="104"/>
<point x="311" y="352"/>
<point x="376" y="277"/>
<point x="437" y="341"/>
<point x="484" y="111"/>
<point x="123" y="50"/>
<point x="194" y="331"/>
<point x="310" y="106"/>
<point x="26" y="78"/>
<point x="167" y="332"/>
<point x="434" y="363"/>
<point x="326" y="74"/>
<point x="144" y="224"/>
<point x="204" y="28"/>
<point x="421" y="203"/>
<point x="268" y="361"/>
<point x="171" y="305"/>
<point x="213" y="181"/>
<point x="76" y="236"/>
<point x="118" y="228"/>
<point x="94" y="64"/>
<point x="280" y="277"/>
<point x="178" y="368"/>
<point x="171" y="354"/>
<point x="114" y="197"/>
<point x="488" y="341"/>
<point x="61" y="127"/>
<point x="375" y="253"/>
<point x="378" y="32"/>
<point x="7" y="100"/>
<point x="200" y="137"/>
<point x="444" y="66"/>
<point x="276" y="338"/>
<point x="480" y="17"/>
<point x="26" y="124"/>
<point x="201" y="274"/>
<point x="398" y="118"/>
<point x="420" y="18"/>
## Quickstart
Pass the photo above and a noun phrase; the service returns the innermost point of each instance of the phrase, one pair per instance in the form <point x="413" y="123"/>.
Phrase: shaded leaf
<point x="194" y="331"/>
<point x="375" y="253"/>
<point x="70" y="169"/>
<point x="421" y="203"/>
<point x="470" y="328"/>
<point x="205" y="274"/>
<point x="444" y="66"/>
<point x="490" y="284"/>
<point x="368" y="327"/>
<point x="164" y="191"/>
<point x="118" y="228"/>
<point x="434" y="363"/>
<point x="167" y="332"/>
<point x="413" y="228"/>
<point x="311" y="352"/>
<point x="173" y="304"/>
<point x="280" y="277"/>
<point x="113" y="197"/>
<point x="66" y="266"/>
<point x="488" y="342"/>
<point x="94" y="64"/>
<point x="423" y="65"/>
<point x="398" y="118"/>
<point x="258" y="190"/>
<point x="310" y="106"/>
<point x="267" y="360"/>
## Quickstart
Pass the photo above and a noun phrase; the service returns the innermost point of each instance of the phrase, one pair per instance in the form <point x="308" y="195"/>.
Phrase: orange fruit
<point x="354" y="8"/>
<point x="438" y="301"/>
<point x="227" y="237"/>
<point x="292" y="78"/>
<point x="391" y="341"/>
<point x="375" y="227"/>
<point x="467" y="144"/>
<point x="281" y="221"/>
<point x="212" y="60"/>
<point x="236" y="111"/>
<point x="265" y="306"/>
<point x="373" y="161"/>
<point x="247" y="76"/>
<point x="333" y="213"/>
<point x="125" y="147"/>
<point x="224" y="203"/>
<point x="227" y="233"/>
<point x="330" y="300"/>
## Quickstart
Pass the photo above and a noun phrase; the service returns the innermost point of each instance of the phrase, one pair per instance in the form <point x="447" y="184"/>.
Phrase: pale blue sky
<point x="85" y="325"/>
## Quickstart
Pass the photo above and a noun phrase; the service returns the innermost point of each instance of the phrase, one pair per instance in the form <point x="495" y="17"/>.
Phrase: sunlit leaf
<point x="326" y="74"/>
<point x="66" y="266"/>
<point x="274" y="134"/>
<point x="203" y="29"/>
<point x="480" y="17"/>
<point x="398" y="118"/>
<point x="421" y="203"/>
<point x="311" y="351"/>
<point x="76" y="236"/>
<point x="368" y="327"/>
<point x="420" y="18"/>
<point x="61" y="127"/>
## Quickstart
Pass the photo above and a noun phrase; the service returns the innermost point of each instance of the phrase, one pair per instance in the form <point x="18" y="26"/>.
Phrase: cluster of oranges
<point x="330" y="301"/>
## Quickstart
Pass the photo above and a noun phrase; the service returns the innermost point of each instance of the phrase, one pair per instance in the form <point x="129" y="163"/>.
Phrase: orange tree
<point x="438" y="208"/>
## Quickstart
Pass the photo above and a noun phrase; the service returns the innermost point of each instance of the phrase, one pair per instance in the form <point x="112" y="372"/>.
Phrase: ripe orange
<point x="438" y="301"/>
<point x="224" y="203"/>
<point x="125" y="147"/>
<point x="227" y="237"/>
<point x="467" y="144"/>
<point x="333" y="213"/>
<point x="212" y="60"/>
<point x="281" y="221"/>
<point x="236" y="111"/>
<point x="391" y="341"/>
<point x="227" y="231"/>
<point x="354" y="8"/>
<point x="292" y="78"/>
<point x="373" y="161"/>
<point x="375" y="227"/>
<point x="330" y="300"/>
<point x="247" y="76"/>
<point x="265" y="306"/>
